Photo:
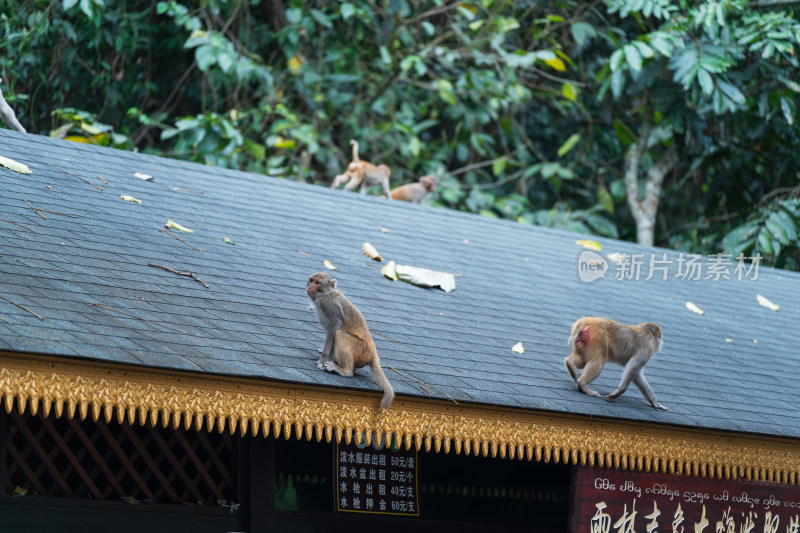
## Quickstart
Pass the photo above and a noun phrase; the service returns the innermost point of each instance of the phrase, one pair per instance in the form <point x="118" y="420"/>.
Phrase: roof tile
<point x="517" y="283"/>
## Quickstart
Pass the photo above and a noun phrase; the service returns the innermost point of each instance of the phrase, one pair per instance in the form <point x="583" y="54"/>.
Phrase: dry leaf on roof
<point x="371" y="252"/>
<point x="16" y="166"/>
<point x="329" y="265"/>
<point x="618" y="257"/>
<point x="426" y="278"/>
<point x="518" y="348"/>
<point x="225" y="239"/>
<point x="591" y="245"/>
<point x="384" y="230"/>
<point x="175" y="225"/>
<point x="389" y="270"/>
<point x="130" y="199"/>
<point x="692" y="307"/>
<point x="766" y="303"/>
<point x="141" y="176"/>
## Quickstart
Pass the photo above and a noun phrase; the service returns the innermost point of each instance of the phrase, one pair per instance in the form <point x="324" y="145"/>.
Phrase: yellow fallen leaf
<point x="389" y="271"/>
<point x="145" y="177"/>
<point x="76" y="139"/>
<point x="130" y="199"/>
<point x="692" y="307"/>
<point x="227" y="240"/>
<point x="329" y="265"/>
<point x="518" y="348"/>
<point x="728" y="340"/>
<point x="618" y="257"/>
<point x="755" y="341"/>
<point x="592" y="245"/>
<point x="16" y="166"/>
<point x="384" y="230"/>
<point x="766" y="303"/>
<point x="371" y="252"/>
<point x="175" y="225"/>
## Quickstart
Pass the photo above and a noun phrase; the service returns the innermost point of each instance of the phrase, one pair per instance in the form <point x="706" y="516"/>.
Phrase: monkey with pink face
<point x="348" y="342"/>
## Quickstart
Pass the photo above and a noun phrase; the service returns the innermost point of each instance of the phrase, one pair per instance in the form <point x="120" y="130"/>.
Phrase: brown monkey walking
<point x="348" y="343"/>
<point x="597" y="340"/>
<point x="364" y="174"/>
<point x="415" y="192"/>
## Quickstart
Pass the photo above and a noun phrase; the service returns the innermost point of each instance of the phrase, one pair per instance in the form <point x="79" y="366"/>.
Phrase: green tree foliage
<point x="525" y="110"/>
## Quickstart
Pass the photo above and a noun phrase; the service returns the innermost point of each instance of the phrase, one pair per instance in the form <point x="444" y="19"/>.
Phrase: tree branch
<point x="8" y="114"/>
<point x="632" y="160"/>
<point x="655" y="178"/>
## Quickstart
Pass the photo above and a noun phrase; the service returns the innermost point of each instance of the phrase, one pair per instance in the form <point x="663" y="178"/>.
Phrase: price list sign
<point x="376" y="480"/>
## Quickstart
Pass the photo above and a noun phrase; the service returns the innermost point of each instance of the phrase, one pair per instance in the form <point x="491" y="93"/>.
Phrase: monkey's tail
<point x="380" y="380"/>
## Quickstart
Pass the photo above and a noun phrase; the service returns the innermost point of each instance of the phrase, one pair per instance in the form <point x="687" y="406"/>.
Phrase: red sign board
<point x="377" y="480"/>
<point x="613" y="501"/>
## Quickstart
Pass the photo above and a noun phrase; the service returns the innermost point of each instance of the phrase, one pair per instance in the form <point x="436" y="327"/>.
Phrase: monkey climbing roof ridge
<point x="88" y="277"/>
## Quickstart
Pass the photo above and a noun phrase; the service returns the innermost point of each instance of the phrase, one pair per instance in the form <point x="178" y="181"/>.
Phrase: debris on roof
<point x="16" y="166"/>
<point x="762" y="300"/>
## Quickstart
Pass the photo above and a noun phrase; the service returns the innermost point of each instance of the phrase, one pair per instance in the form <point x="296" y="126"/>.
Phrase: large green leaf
<point x="582" y="32"/>
<point x="739" y="235"/>
<point x="602" y="226"/>
<point x="782" y="227"/>
<point x="605" y="200"/>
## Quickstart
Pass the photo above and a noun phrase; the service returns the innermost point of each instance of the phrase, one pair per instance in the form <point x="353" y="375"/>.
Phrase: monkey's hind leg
<point x="354" y="181"/>
<point x="592" y="370"/>
<point x="344" y="346"/>
<point x="573" y="363"/>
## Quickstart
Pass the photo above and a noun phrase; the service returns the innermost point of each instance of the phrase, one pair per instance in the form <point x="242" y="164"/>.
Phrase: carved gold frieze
<point x="139" y="395"/>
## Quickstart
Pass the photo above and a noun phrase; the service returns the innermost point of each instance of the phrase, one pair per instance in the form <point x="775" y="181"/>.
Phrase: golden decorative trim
<point x="79" y="388"/>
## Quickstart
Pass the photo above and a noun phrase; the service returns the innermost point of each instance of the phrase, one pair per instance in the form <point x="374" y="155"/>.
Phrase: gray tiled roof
<point x="517" y="283"/>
